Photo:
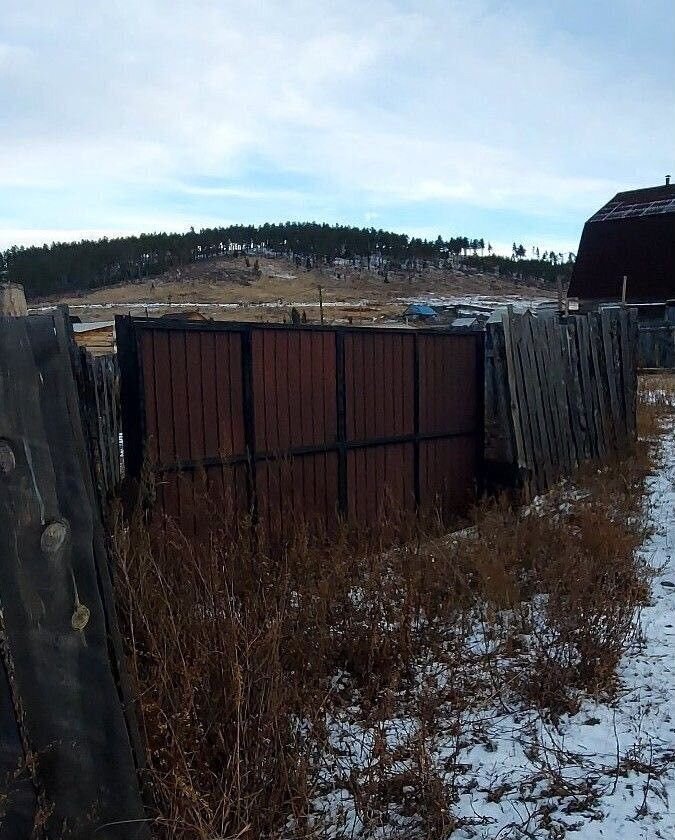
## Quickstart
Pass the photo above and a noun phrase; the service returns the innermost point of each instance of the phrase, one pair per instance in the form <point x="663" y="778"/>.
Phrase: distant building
<point x="632" y="236"/>
<point x="466" y="323"/>
<point x="420" y="312"/>
<point x="97" y="336"/>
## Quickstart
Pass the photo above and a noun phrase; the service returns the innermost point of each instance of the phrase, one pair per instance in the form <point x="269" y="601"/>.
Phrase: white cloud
<point x="463" y="101"/>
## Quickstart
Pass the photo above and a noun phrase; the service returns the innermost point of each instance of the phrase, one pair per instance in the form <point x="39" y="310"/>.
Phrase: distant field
<point x="227" y="289"/>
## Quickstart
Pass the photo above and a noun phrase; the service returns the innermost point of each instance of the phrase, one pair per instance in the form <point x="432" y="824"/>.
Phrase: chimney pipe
<point x="667" y="180"/>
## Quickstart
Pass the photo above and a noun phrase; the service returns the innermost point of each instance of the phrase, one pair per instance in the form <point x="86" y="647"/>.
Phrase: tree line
<point x="70" y="267"/>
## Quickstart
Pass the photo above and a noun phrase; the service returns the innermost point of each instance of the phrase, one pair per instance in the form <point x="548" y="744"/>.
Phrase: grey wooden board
<point x="571" y="389"/>
<point x="514" y="395"/>
<point x="610" y="374"/>
<point x="18" y="793"/>
<point x="98" y="381"/>
<point x="548" y="337"/>
<point x="574" y="394"/>
<point x="628" y="370"/>
<point x="546" y="385"/>
<point x="72" y="715"/>
<point x="558" y="365"/>
<point x="581" y="418"/>
<point x="618" y="378"/>
<point x="64" y="334"/>
<point x="526" y="410"/>
<point x="534" y="384"/>
<point x="633" y="332"/>
<point x="590" y="401"/>
<point x="597" y="356"/>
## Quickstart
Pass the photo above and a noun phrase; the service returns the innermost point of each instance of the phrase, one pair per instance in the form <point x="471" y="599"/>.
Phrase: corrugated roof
<point x="647" y="202"/>
<point x="89" y="326"/>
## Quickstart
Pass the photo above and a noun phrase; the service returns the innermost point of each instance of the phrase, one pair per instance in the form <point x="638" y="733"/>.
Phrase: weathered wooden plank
<point x="62" y="330"/>
<point x="498" y="422"/>
<point x="115" y="397"/>
<point x="559" y="358"/>
<point x="590" y="401"/>
<point x="549" y="400"/>
<point x="49" y="586"/>
<point x="633" y="334"/>
<point x="597" y="356"/>
<point x="17" y="790"/>
<point x="624" y="378"/>
<point x="536" y="473"/>
<point x="548" y="339"/>
<point x="617" y="371"/>
<point x="610" y="375"/>
<point x="579" y="422"/>
<point x="534" y="384"/>
<point x="514" y="390"/>
<point x="596" y="389"/>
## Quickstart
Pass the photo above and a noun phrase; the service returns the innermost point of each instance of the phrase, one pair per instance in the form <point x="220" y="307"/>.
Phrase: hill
<point x="232" y="287"/>
<point x="69" y="268"/>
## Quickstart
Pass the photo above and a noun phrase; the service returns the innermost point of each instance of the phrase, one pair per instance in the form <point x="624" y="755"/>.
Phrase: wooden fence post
<point x="61" y="649"/>
<point x="12" y="300"/>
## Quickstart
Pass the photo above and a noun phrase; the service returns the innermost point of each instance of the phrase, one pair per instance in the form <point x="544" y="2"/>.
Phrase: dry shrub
<point x="244" y="653"/>
<point x="656" y="403"/>
<point x="233" y="646"/>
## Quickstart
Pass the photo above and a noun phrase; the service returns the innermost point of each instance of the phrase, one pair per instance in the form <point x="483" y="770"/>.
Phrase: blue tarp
<point x="421" y="309"/>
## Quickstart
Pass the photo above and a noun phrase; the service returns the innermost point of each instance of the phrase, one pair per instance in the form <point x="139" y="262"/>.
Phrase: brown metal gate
<point x="310" y="422"/>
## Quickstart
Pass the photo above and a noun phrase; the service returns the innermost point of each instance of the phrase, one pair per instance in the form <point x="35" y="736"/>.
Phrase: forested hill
<point x="80" y="266"/>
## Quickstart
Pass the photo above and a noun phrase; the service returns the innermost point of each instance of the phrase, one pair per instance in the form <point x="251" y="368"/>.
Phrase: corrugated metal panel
<point x="301" y="422"/>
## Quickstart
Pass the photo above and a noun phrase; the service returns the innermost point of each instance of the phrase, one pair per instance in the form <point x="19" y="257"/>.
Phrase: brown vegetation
<point x="268" y="292"/>
<point x="245" y="659"/>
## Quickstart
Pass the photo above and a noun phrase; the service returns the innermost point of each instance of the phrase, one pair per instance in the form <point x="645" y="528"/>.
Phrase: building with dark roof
<point x="632" y="236"/>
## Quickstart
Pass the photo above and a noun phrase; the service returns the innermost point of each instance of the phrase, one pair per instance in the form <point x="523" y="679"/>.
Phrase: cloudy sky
<point x="495" y="118"/>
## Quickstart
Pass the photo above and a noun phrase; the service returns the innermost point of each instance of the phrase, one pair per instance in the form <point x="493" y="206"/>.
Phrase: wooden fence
<point x="657" y="346"/>
<point x="68" y="738"/>
<point x="99" y="385"/>
<point x="559" y="391"/>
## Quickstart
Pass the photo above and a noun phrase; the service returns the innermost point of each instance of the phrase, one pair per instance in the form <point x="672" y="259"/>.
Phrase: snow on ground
<point x="606" y="772"/>
<point x="483" y="303"/>
<point x="611" y="747"/>
<point x="478" y="302"/>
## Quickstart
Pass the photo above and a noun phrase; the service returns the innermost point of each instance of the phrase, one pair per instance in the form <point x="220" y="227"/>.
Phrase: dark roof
<point x="632" y="235"/>
<point x="646" y="202"/>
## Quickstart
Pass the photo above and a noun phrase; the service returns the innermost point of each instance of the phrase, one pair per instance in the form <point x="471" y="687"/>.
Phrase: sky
<point x="502" y="119"/>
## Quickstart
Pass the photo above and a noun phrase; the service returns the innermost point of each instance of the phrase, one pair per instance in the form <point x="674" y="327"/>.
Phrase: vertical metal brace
<point x="416" y="420"/>
<point x="341" y="394"/>
<point x="249" y="421"/>
<point x="479" y="421"/>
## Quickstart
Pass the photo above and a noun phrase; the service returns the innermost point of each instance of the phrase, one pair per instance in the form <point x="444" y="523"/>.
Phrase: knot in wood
<point x="53" y="537"/>
<point x="7" y="459"/>
<point x="80" y="617"/>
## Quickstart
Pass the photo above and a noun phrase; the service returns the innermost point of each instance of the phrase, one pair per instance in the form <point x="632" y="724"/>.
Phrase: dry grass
<point x="656" y="403"/>
<point x="228" y="280"/>
<point x="244" y="658"/>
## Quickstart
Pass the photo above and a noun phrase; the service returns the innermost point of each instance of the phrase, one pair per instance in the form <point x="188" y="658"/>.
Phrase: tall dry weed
<point x="244" y="653"/>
